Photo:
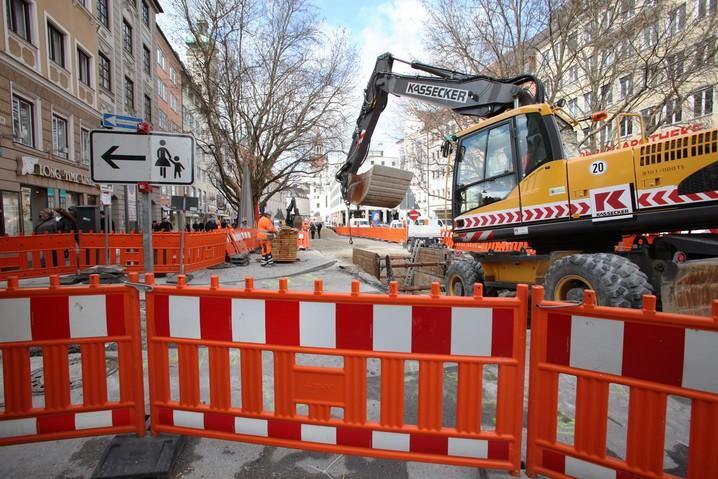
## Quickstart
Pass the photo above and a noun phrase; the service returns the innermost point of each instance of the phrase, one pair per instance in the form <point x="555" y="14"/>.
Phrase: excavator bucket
<point x="690" y="287"/>
<point x="381" y="186"/>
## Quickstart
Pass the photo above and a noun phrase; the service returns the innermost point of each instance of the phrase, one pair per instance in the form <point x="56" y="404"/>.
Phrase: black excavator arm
<point x="473" y="95"/>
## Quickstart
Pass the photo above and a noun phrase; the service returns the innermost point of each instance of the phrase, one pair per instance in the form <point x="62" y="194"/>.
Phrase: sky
<point x="374" y="27"/>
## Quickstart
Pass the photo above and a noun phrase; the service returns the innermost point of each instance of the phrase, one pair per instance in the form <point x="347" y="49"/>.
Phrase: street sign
<point x="413" y="215"/>
<point x="185" y="203"/>
<point x="106" y="194"/>
<point x="124" y="157"/>
<point x="111" y="120"/>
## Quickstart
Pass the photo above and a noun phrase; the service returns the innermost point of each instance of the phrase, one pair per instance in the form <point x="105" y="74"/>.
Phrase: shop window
<point x="19" y="18"/>
<point x="59" y="136"/>
<point x="23" y="121"/>
<point x="56" y="44"/>
<point x="10" y="224"/>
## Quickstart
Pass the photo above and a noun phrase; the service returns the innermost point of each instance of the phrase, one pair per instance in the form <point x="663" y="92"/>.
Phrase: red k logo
<point x="613" y="202"/>
<point x="612" y="198"/>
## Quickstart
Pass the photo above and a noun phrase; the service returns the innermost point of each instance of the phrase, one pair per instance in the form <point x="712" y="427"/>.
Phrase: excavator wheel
<point x="461" y="276"/>
<point x="381" y="186"/>
<point x="616" y="280"/>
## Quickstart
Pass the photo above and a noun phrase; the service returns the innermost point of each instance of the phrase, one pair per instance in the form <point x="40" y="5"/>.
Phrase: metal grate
<point x="701" y="143"/>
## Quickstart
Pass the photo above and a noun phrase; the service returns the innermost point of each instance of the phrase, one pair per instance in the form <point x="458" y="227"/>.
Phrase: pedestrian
<point x="319" y="230"/>
<point x="312" y="229"/>
<point x="195" y="225"/>
<point x="187" y="228"/>
<point x="155" y="226"/>
<point x="65" y="221"/>
<point x="211" y="224"/>
<point x="224" y="223"/>
<point x="265" y="235"/>
<point x="47" y="222"/>
<point x="165" y="225"/>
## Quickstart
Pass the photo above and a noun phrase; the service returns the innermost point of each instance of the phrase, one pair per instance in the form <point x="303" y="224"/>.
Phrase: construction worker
<point x="265" y="234"/>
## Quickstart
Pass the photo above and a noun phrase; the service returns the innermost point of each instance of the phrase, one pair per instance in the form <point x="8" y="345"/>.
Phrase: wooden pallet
<point x="284" y="246"/>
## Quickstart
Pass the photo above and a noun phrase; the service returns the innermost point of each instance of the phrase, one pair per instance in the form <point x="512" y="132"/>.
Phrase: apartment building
<point x="48" y="104"/>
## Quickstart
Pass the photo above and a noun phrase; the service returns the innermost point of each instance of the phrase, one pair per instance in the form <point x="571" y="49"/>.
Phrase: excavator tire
<point x="461" y="276"/>
<point x="616" y="280"/>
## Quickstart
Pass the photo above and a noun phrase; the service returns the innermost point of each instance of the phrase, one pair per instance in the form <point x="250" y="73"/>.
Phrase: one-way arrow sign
<point x="109" y="156"/>
<point x="124" y="157"/>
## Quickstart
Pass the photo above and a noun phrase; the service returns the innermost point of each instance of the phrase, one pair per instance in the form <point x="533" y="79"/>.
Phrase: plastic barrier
<point x="303" y="239"/>
<point x="349" y="329"/>
<point x="247" y="236"/>
<point x="653" y="354"/>
<point x="394" y="235"/>
<point x="125" y="250"/>
<point x="51" y="320"/>
<point x="37" y="255"/>
<point x="204" y="249"/>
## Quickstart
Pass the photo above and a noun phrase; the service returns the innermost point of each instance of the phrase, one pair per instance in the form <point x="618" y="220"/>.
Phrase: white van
<point x="358" y="223"/>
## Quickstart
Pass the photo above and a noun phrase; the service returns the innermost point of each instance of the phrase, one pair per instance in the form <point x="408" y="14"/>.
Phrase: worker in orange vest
<point x="265" y="234"/>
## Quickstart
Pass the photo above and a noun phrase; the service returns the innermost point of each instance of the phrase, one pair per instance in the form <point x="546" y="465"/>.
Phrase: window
<point x="146" y="60"/>
<point x="628" y="8"/>
<point x="674" y="111"/>
<point x="23" y="121"/>
<point x="572" y="42"/>
<point x="85" y="146"/>
<point x="498" y="156"/>
<point x="706" y="52"/>
<point x="706" y="8"/>
<point x="129" y="95"/>
<point x="56" y="44"/>
<point x="675" y="65"/>
<point x="649" y="118"/>
<point x="83" y="67"/>
<point x="626" y="84"/>
<point x="677" y="19"/>
<point x="105" y="72"/>
<point x="649" y="38"/>
<point x="145" y="13"/>
<point x="573" y="106"/>
<point x="626" y="126"/>
<point x="173" y="102"/>
<point x="606" y="134"/>
<point x="587" y="102"/>
<point x="59" y="136"/>
<point x="162" y="90"/>
<point x="173" y="75"/>
<point x="606" y="94"/>
<point x="703" y="102"/>
<point x="103" y="13"/>
<point x="148" y="109"/>
<point x="161" y="59"/>
<point x="126" y="37"/>
<point x="163" y="120"/>
<point x="18" y="18"/>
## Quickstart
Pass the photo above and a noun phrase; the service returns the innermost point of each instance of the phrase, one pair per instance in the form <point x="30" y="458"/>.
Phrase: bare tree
<point x="613" y="55"/>
<point x="270" y="84"/>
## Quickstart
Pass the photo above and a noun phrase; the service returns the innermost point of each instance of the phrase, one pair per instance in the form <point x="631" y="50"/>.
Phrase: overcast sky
<point x="374" y="27"/>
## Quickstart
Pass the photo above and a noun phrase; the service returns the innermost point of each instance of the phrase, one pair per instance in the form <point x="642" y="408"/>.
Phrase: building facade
<point x="49" y="102"/>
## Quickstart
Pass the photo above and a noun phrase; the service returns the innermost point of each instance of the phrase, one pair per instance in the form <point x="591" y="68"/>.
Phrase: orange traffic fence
<point x="51" y="323"/>
<point x="394" y="235"/>
<point x="125" y="250"/>
<point x="240" y="241"/>
<point x="303" y="239"/>
<point x="37" y="255"/>
<point x="451" y="339"/>
<point x="652" y="356"/>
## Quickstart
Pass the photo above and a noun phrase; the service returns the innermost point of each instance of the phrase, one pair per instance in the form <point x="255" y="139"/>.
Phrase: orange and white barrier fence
<point x="52" y="319"/>
<point x="125" y="250"/>
<point x="394" y="235"/>
<point x="37" y="255"/>
<point x="432" y="330"/>
<point x="653" y="354"/>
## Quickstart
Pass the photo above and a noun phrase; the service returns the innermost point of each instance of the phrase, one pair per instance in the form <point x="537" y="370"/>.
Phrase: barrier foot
<point x="130" y="456"/>
<point x="172" y="278"/>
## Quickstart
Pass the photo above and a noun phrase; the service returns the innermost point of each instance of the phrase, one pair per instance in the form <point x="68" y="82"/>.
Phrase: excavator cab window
<point x="485" y="170"/>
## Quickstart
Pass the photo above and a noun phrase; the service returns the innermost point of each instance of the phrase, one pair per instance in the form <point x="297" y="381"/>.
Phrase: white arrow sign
<point x="124" y="157"/>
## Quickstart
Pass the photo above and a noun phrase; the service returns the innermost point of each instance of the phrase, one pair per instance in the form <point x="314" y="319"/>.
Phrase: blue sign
<point x="111" y="120"/>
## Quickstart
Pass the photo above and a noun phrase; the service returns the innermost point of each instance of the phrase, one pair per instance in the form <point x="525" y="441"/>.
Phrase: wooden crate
<point x="284" y="246"/>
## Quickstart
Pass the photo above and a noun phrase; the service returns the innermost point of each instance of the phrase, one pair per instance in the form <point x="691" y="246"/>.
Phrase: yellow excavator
<point x="518" y="176"/>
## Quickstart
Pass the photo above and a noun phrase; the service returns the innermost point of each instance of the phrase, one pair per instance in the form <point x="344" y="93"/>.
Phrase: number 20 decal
<point x="598" y="167"/>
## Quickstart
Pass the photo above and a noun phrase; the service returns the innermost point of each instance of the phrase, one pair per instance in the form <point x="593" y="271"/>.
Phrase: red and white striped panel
<point x="64" y="422"/>
<point x="580" y="469"/>
<point x="336" y="435"/>
<point x="61" y="317"/>
<point x="492" y="218"/>
<point x="664" y="354"/>
<point x="476" y="236"/>
<point x="580" y="208"/>
<point x="546" y="211"/>
<point x="372" y="327"/>
<point x="668" y="196"/>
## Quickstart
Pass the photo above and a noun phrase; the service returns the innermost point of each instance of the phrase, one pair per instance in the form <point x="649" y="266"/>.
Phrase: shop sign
<point x="31" y="165"/>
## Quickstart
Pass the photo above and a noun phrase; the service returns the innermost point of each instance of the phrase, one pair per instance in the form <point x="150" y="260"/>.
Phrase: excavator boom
<point x="474" y="95"/>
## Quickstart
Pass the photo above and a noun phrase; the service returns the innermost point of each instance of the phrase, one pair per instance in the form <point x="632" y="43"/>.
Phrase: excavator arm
<point x="473" y="95"/>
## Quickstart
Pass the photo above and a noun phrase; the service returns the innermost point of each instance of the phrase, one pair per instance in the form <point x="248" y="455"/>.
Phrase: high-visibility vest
<point x="264" y="226"/>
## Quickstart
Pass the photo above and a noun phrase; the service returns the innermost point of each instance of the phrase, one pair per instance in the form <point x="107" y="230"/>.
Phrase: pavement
<point x="209" y="458"/>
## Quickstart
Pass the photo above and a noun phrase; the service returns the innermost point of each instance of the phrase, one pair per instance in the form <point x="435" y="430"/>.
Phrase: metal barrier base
<point x="128" y="456"/>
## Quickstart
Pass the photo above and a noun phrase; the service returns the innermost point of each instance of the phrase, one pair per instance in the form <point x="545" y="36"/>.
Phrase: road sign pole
<point x="108" y="224"/>
<point x="181" y="228"/>
<point x="147" y="230"/>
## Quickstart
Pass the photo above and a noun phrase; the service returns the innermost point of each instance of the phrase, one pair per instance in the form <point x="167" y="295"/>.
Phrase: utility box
<point x="88" y="218"/>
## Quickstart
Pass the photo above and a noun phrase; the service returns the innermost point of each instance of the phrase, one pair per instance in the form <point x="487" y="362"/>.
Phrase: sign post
<point x="154" y="158"/>
<point x="182" y="204"/>
<point x="106" y="200"/>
